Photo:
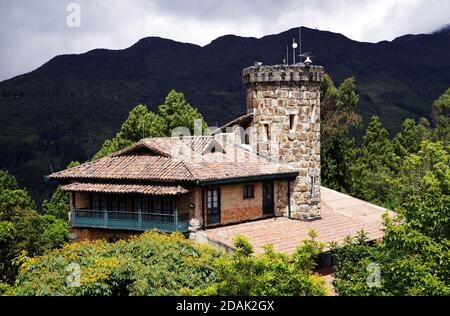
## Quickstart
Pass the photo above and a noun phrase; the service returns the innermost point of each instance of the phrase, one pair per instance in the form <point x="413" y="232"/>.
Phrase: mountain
<point x="65" y="109"/>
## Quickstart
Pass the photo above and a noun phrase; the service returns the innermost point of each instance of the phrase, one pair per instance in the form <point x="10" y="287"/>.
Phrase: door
<point x="213" y="206"/>
<point x="268" y="198"/>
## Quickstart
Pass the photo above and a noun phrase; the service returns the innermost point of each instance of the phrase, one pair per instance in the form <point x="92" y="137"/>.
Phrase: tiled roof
<point x="125" y="188"/>
<point x="175" y="159"/>
<point x="341" y="216"/>
<point x="140" y="167"/>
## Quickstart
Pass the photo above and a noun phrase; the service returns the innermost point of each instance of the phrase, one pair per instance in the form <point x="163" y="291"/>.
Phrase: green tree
<point x="414" y="256"/>
<point x="424" y="184"/>
<point x="58" y="205"/>
<point x="441" y="118"/>
<point x="375" y="165"/>
<point x="269" y="274"/>
<point x="338" y="117"/>
<point x="22" y="229"/>
<point x="152" y="264"/>
<point x="408" y="140"/>
<point x="142" y="123"/>
<point x="177" y="112"/>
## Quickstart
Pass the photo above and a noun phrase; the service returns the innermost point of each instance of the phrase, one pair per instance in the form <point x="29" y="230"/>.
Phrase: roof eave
<point x="278" y="176"/>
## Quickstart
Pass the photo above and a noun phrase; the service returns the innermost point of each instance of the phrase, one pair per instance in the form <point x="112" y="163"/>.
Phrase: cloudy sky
<point x="34" y="31"/>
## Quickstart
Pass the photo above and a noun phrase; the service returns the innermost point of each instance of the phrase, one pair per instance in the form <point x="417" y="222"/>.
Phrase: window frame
<point x="248" y="191"/>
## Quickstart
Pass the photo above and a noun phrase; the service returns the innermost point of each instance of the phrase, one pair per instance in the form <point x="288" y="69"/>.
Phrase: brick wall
<point x="235" y="209"/>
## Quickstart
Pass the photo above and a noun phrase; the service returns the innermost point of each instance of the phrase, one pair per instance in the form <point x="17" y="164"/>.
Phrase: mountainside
<point x="64" y="110"/>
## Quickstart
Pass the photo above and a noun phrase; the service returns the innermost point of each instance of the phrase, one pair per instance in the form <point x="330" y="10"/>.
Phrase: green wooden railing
<point x="130" y="221"/>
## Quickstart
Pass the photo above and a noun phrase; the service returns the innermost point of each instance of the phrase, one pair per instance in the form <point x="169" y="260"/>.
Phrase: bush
<point x="151" y="264"/>
<point x="269" y="274"/>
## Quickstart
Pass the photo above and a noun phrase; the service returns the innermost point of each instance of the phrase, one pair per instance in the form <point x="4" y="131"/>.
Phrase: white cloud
<point x="33" y="31"/>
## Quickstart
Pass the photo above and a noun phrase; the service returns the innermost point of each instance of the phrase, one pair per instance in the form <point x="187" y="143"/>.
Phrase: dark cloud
<point x="33" y="31"/>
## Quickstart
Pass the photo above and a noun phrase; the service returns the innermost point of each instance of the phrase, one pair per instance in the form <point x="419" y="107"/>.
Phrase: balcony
<point x="133" y="221"/>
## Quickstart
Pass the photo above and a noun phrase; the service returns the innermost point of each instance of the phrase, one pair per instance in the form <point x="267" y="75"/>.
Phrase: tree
<point x="441" y="118"/>
<point x="408" y="140"/>
<point x="22" y="229"/>
<point x="269" y="274"/>
<point x="177" y="112"/>
<point x="414" y="256"/>
<point x="375" y="165"/>
<point x="142" y="123"/>
<point x="338" y="116"/>
<point x="424" y="184"/>
<point x="152" y="264"/>
<point x="58" y="205"/>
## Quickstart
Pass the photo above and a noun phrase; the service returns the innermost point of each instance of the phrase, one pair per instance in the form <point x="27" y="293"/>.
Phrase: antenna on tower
<point x="300" y="43"/>
<point x="302" y="55"/>
<point x="287" y="55"/>
<point x="294" y="47"/>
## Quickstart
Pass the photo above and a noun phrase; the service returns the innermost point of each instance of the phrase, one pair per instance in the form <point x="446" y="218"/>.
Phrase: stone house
<point x="263" y="165"/>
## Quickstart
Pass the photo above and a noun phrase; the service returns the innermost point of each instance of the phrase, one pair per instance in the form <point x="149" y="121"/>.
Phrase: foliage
<point x="151" y="264"/>
<point x="141" y="123"/>
<point x="410" y="262"/>
<point x="58" y="205"/>
<point x="408" y="140"/>
<point x="338" y="116"/>
<point x="22" y="229"/>
<point x="414" y="256"/>
<point x="268" y="274"/>
<point x="441" y="117"/>
<point x="177" y="112"/>
<point x="375" y="164"/>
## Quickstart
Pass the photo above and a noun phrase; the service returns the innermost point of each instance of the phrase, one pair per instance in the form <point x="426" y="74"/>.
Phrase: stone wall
<point x="85" y="234"/>
<point x="285" y="102"/>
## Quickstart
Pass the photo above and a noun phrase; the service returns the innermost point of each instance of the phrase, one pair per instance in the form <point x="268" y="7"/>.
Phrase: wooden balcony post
<point x="105" y="216"/>
<point x="140" y="217"/>
<point x="176" y="217"/>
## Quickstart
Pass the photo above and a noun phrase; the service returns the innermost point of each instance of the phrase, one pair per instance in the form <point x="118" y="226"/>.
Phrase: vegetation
<point x="23" y="231"/>
<point x="269" y="274"/>
<point x="160" y="264"/>
<point x="411" y="175"/>
<point x="141" y="123"/>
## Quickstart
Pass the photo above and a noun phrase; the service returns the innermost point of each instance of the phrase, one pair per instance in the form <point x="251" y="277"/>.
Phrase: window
<point x="267" y="130"/>
<point x="249" y="192"/>
<point x="213" y="206"/>
<point x="292" y="119"/>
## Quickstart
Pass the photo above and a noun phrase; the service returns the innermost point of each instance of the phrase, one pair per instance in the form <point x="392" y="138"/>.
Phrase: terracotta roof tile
<point x="175" y="159"/>
<point x="125" y="188"/>
<point x="129" y="168"/>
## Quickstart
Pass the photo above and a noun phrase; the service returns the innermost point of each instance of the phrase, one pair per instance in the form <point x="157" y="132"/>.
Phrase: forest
<point x="408" y="173"/>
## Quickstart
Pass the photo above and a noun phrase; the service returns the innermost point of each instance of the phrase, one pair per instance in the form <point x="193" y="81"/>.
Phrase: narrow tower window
<point x="292" y="122"/>
<point x="267" y="130"/>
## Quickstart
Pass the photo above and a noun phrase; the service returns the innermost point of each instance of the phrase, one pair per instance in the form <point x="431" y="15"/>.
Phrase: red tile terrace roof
<point x="125" y="188"/>
<point x="175" y="159"/>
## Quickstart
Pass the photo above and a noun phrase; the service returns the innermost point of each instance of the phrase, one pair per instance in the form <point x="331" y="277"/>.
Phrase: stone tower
<point x="285" y="102"/>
